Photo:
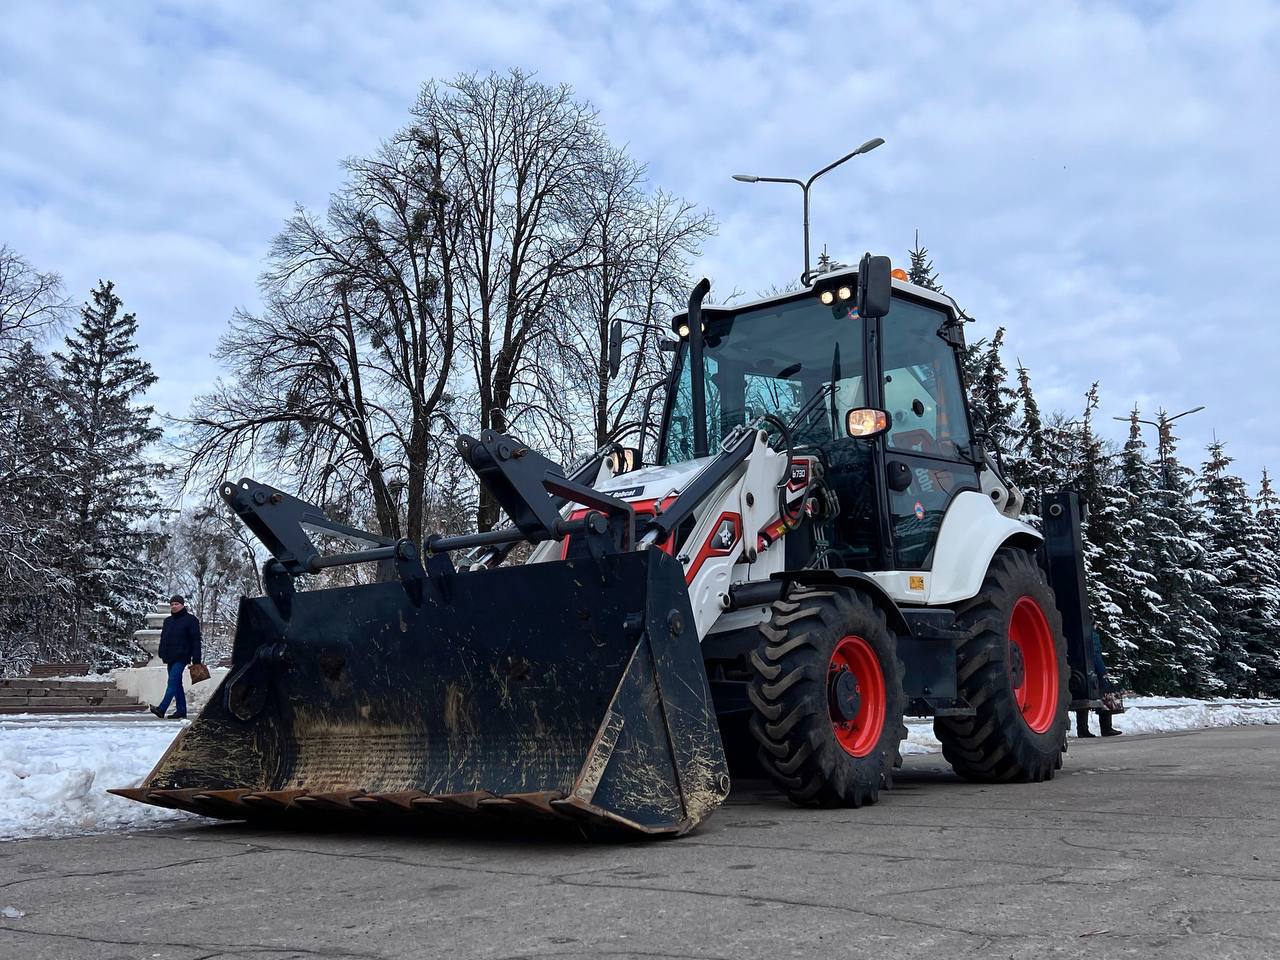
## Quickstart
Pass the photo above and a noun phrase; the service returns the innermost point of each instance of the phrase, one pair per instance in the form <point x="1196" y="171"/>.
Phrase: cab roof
<point x="833" y="278"/>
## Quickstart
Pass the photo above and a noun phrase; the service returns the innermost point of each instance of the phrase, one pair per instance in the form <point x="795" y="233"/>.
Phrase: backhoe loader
<point x="820" y="548"/>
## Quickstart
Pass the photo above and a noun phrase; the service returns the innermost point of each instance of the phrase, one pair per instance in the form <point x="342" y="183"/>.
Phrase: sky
<point x="1100" y="178"/>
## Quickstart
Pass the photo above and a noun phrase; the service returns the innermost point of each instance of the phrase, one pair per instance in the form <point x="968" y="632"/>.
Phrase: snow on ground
<point x="1143" y="715"/>
<point x="54" y="771"/>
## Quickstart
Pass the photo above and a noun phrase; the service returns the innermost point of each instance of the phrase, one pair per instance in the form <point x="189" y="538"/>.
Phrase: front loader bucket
<point x="568" y="689"/>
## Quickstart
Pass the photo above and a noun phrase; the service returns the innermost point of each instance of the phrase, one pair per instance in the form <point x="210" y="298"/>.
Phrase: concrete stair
<point x="34" y="695"/>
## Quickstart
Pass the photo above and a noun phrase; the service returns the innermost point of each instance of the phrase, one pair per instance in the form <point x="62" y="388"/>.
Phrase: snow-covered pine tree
<point x="1234" y="544"/>
<point x="921" y="271"/>
<point x="1145" y="653"/>
<point x="109" y="490"/>
<point x="1177" y="542"/>
<point x="992" y="401"/>
<point x="1028" y="463"/>
<point x="1267" y="516"/>
<point x="1267" y="508"/>
<point x="32" y="525"/>
<point x="1106" y="554"/>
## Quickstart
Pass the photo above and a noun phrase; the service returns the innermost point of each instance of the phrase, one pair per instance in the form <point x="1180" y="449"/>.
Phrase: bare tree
<point x="31" y="302"/>
<point x="524" y="155"/>
<point x="641" y="247"/>
<point x="342" y="379"/>
<point x="463" y="278"/>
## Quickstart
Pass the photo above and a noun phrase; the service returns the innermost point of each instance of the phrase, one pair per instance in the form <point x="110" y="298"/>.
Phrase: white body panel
<point x="710" y="565"/>
<point x="972" y="531"/>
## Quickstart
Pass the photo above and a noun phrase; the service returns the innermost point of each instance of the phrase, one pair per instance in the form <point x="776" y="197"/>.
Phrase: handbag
<point x="199" y="672"/>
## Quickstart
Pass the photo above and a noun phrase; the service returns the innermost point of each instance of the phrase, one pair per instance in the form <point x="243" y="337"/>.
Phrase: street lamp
<point x="804" y="186"/>
<point x="1162" y="427"/>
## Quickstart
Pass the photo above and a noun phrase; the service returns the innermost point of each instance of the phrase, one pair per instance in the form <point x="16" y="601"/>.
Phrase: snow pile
<point x="54" y="774"/>
<point x="1144" y="715"/>
<point x="1162" y="714"/>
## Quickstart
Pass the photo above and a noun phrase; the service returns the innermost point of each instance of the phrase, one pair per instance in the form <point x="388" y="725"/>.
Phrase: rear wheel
<point x="827" y="693"/>
<point x="1012" y="668"/>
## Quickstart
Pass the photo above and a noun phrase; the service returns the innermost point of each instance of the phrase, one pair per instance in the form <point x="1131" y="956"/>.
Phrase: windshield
<point x="772" y="359"/>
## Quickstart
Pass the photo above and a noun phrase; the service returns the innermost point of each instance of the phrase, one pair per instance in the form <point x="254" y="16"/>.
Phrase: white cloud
<point x="1098" y="177"/>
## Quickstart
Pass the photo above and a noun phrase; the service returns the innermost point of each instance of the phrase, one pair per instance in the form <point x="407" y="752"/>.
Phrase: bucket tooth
<point x="222" y="802"/>
<point x="273" y="800"/>
<point x="175" y="799"/>
<point x="132" y="793"/>
<point x="332" y="800"/>
<point x="468" y="802"/>
<point x="539" y="801"/>
<point x="400" y="801"/>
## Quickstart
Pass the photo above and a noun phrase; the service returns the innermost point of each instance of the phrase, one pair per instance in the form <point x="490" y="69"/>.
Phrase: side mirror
<point x="624" y="460"/>
<point x="864" y="423"/>
<point x="615" y="349"/>
<point x="875" y="286"/>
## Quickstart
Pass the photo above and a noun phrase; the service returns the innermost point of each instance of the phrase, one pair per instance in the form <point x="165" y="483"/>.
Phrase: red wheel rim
<point x="857" y="734"/>
<point x="1031" y="646"/>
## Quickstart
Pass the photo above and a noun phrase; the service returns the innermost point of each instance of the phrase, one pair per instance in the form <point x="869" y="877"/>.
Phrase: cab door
<point x="925" y="452"/>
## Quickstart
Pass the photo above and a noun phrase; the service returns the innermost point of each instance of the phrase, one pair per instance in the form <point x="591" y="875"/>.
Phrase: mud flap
<point x="566" y="689"/>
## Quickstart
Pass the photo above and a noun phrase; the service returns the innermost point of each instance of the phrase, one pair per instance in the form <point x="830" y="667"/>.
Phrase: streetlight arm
<point x="748" y="178"/>
<point x="1151" y="423"/>
<point x="865" y="148"/>
<point x="1184" y="413"/>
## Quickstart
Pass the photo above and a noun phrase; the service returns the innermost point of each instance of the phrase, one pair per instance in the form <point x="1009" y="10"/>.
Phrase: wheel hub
<point x="1017" y="666"/>
<point x="845" y="696"/>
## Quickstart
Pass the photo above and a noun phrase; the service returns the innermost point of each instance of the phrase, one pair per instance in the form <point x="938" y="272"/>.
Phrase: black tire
<point x="792" y="720"/>
<point x="998" y="744"/>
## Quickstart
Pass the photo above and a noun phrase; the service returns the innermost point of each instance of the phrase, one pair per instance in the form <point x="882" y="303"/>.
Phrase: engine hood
<point x="652" y="483"/>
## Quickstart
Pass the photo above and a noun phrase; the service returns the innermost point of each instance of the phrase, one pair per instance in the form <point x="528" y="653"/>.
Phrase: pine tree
<point x="992" y="402"/>
<point x="32" y="526"/>
<point x="1178" y="535"/>
<point x="1234" y="543"/>
<point x="1267" y="562"/>
<point x="1028" y="462"/>
<point x="921" y="271"/>
<point x="1267" y="509"/>
<point x="1148" y="658"/>
<point x="109" y="489"/>
<point x="1105" y="551"/>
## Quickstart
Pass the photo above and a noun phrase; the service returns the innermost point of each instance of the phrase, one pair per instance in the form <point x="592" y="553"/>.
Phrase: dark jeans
<point x="175" y="689"/>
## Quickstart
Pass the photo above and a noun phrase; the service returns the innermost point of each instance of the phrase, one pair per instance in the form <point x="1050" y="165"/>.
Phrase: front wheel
<point x="828" y="698"/>
<point x="1012" y="668"/>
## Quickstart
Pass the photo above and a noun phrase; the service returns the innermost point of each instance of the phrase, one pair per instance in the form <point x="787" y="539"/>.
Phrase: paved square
<point x="1160" y="846"/>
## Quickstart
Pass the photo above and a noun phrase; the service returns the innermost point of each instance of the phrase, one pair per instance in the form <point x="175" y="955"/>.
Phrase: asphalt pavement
<point x="1159" y="846"/>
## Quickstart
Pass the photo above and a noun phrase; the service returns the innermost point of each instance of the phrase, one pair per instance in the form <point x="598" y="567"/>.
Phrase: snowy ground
<point x="54" y="772"/>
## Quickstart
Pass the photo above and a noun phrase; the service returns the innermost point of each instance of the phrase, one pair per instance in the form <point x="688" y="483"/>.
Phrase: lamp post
<point x="1163" y="430"/>
<point x="804" y="186"/>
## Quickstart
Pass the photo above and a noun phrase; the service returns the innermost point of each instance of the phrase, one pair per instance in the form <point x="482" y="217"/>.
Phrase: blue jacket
<point x="180" y="638"/>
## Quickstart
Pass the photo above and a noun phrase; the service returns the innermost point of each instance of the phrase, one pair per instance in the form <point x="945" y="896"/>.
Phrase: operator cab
<point x="812" y="348"/>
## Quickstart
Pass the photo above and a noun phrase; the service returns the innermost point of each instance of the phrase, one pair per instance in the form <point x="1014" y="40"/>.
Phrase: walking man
<point x="179" y="646"/>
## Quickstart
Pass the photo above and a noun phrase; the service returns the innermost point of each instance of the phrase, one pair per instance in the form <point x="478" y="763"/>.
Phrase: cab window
<point x="921" y="384"/>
